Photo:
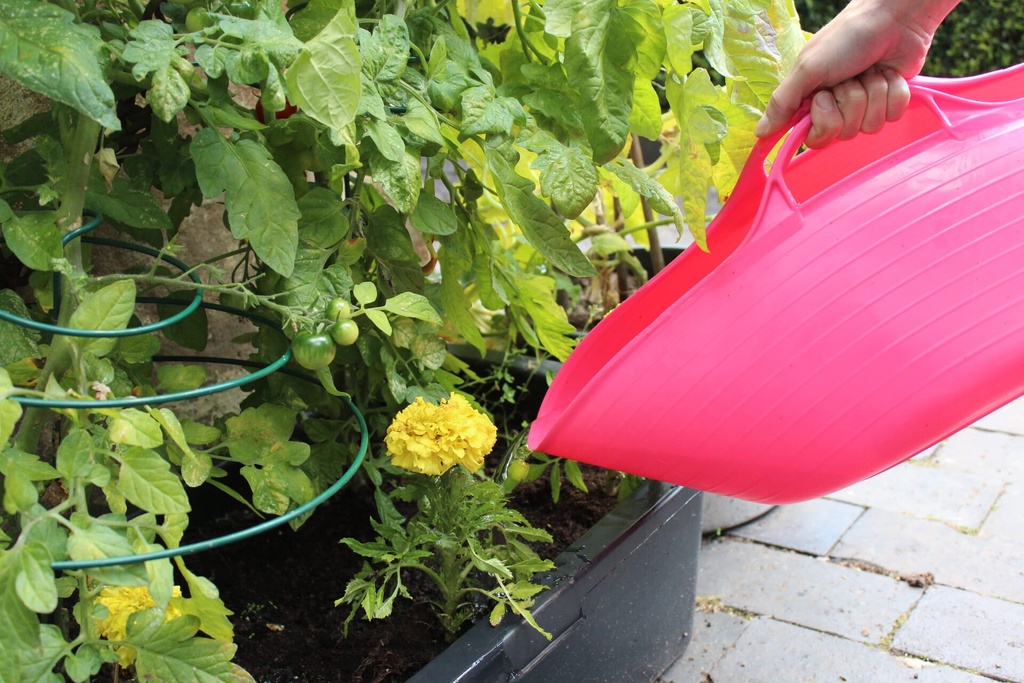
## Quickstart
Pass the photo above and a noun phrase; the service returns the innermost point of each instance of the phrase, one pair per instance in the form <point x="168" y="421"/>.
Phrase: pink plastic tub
<point x="859" y="304"/>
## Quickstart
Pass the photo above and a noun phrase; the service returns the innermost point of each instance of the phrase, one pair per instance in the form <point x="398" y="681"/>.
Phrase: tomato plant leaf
<point x="153" y="50"/>
<point x="108" y="308"/>
<point x="256" y="432"/>
<point x="644" y="22"/>
<point x="743" y="43"/>
<point x="322" y="226"/>
<point x="457" y="305"/>
<point x="192" y="332"/>
<point x="379" y="319"/>
<point x="365" y="293"/>
<point x="128" y="205"/>
<point x="323" y="222"/>
<point x="196" y="433"/>
<point x="600" y="62"/>
<point x="146" y="480"/>
<point x="741" y="120"/>
<point x="400" y="179"/>
<point x="16" y="342"/>
<point x="50" y="649"/>
<point x="645" y="117"/>
<point x="77" y="458"/>
<point x="10" y="411"/>
<point x="540" y="226"/>
<point x="433" y="217"/>
<point x="91" y="540"/>
<point x="549" y="93"/>
<point x="412" y="305"/>
<point x="567" y="174"/>
<point x="421" y="121"/>
<point x="172" y="653"/>
<point x="205" y="604"/>
<point x="196" y="468"/>
<point x="694" y="100"/>
<point x="390" y="244"/>
<point x="265" y="41"/>
<point x="385" y="52"/>
<point x="678" y="26"/>
<point x="387" y="140"/>
<point x="484" y="112"/>
<point x="180" y="377"/>
<point x="275" y="486"/>
<point x="324" y="81"/>
<point x="35" y="239"/>
<point x="18" y="492"/>
<point x="19" y="627"/>
<point x="549" y="322"/>
<point x="558" y="16"/>
<point x="35" y="582"/>
<point x="44" y="49"/>
<point x="132" y="427"/>
<point x="257" y="194"/>
<point x="313" y="17"/>
<point x="429" y="351"/>
<point x="657" y="196"/>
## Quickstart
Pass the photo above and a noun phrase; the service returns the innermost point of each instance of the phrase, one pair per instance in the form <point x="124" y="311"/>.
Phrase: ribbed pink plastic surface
<point x="858" y="305"/>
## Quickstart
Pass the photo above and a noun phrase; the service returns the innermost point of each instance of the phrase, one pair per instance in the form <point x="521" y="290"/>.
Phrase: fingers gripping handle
<point x="950" y="105"/>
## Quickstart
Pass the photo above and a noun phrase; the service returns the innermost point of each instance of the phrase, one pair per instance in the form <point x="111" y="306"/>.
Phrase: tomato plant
<point x="345" y="332"/>
<point x="423" y="174"/>
<point x="287" y="112"/>
<point x="313" y="351"/>
<point x="338" y="309"/>
<point x="197" y="19"/>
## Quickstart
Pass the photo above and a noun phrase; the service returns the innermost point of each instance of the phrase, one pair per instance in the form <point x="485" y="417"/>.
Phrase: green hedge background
<point x="975" y="38"/>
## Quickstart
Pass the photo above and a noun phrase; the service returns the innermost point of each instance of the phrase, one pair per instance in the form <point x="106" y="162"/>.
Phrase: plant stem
<point x="81" y="147"/>
<point x="69" y="217"/>
<point x="528" y="47"/>
<point x="657" y="256"/>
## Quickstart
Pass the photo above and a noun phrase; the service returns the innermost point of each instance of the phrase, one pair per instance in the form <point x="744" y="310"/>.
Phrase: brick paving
<point x="914" y="575"/>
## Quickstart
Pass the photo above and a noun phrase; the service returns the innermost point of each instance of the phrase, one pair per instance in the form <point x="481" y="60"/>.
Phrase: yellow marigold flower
<point x="121" y="602"/>
<point x="431" y="439"/>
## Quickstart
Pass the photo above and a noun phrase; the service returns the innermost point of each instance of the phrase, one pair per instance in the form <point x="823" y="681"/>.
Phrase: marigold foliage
<point x="432" y="438"/>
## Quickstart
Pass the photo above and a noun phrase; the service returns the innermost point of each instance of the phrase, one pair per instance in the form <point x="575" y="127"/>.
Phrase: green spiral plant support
<point x="260" y="371"/>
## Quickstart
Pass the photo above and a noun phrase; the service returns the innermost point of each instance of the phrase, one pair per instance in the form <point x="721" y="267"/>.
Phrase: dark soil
<point x="282" y="586"/>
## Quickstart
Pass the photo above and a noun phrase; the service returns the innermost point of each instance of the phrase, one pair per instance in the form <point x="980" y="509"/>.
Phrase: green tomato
<point x="518" y="470"/>
<point x="313" y="351"/>
<point x="197" y="19"/>
<point x="241" y="8"/>
<point x="345" y="332"/>
<point x="338" y="309"/>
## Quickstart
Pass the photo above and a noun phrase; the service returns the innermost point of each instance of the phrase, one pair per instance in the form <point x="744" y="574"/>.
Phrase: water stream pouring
<point x="859" y="304"/>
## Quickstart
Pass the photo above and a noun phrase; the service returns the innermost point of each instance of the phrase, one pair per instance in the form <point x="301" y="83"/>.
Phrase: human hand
<point x="857" y="68"/>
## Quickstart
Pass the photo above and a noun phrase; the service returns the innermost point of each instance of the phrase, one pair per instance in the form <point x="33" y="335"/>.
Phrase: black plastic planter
<point x="619" y="608"/>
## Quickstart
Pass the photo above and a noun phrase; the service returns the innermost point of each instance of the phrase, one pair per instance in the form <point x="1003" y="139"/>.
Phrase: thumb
<point x="782" y="105"/>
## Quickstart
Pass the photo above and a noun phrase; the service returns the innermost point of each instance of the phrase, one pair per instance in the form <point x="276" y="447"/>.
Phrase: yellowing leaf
<point x="324" y="80"/>
<point x="133" y="427"/>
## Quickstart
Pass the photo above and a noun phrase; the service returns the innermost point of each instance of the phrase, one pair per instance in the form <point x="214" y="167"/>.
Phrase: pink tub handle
<point x="952" y="102"/>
